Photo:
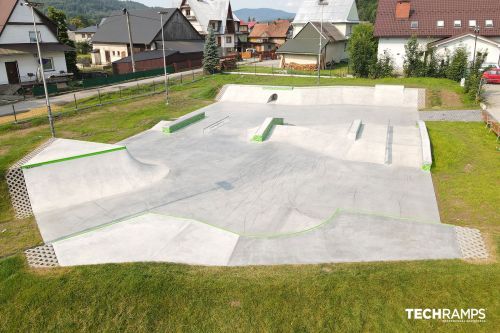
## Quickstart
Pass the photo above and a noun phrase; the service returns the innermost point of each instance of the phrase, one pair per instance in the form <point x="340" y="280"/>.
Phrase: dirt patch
<point x="450" y="99"/>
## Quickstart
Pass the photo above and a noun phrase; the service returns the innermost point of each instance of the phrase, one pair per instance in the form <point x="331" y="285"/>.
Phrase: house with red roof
<point x="444" y="25"/>
<point x="269" y="36"/>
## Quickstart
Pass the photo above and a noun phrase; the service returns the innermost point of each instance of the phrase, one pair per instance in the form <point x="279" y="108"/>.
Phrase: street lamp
<point x="127" y="14"/>
<point x="32" y="5"/>
<point x="164" y="57"/>
<point x="477" y="29"/>
<point x="321" y="3"/>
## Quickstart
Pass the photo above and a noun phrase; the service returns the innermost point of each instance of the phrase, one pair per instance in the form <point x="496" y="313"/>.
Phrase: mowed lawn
<point x="370" y="297"/>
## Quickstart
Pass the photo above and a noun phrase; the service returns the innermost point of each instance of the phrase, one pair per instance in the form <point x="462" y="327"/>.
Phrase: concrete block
<point x="266" y="127"/>
<point x="426" y="146"/>
<point x="354" y="130"/>
<point x="184" y="121"/>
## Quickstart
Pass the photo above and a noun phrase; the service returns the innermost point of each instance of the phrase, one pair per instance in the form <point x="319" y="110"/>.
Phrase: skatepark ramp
<point x="380" y="95"/>
<point x="71" y="172"/>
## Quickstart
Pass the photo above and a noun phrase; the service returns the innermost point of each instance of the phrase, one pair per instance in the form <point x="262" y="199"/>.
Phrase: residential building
<point x="19" y="62"/>
<point x="302" y="52"/>
<point x="84" y="34"/>
<point x="343" y="14"/>
<point x="242" y="37"/>
<point x="216" y="15"/>
<point x="111" y="40"/>
<point x="444" y="25"/>
<point x="269" y="36"/>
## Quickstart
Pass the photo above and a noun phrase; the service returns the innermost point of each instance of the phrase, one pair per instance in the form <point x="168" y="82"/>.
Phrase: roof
<point x="144" y="25"/>
<point x="92" y="28"/>
<point x="210" y="10"/>
<point x="334" y="11"/>
<point x="8" y="7"/>
<point x="170" y="48"/>
<point x="428" y="12"/>
<point x="30" y="48"/>
<point x="463" y="36"/>
<point x="303" y="43"/>
<point x="277" y="29"/>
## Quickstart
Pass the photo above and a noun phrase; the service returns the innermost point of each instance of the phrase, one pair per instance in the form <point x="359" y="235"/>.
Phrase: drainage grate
<point x="42" y="256"/>
<point x="471" y="243"/>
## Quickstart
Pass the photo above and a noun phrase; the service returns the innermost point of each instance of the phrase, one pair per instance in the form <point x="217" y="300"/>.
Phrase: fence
<point x="95" y="98"/>
<point x="113" y="79"/>
<point x="272" y="68"/>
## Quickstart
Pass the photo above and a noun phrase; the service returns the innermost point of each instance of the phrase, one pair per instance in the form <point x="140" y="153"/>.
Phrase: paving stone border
<point x="471" y="243"/>
<point x="42" y="257"/>
<point x="458" y="115"/>
<point x="17" y="186"/>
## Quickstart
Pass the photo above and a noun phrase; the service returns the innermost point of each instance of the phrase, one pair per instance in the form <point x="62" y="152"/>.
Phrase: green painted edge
<point x="184" y="123"/>
<point x="427" y="167"/>
<point x="34" y="165"/>
<point x="330" y="219"/>
<point x="277" y="88"/>
<point x="265" y="135"/>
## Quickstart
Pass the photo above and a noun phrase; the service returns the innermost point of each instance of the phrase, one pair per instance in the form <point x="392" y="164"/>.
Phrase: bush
<point x="473" y="82"/>
<point x="362" y="49"/>
<point x="458" y="65"/>
<point x="414" y="65"/>
<point x="83" y="47"/>
<point x="383" y="67"/>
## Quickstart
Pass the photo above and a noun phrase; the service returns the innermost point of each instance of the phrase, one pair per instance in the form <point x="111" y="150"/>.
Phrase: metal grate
<point x="42" y="256"/>
<point x="471" y="243"/>
<point x="17" y="186"/>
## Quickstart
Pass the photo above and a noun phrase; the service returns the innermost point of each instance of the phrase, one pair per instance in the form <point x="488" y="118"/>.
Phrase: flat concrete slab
<point x="259" y="201"/>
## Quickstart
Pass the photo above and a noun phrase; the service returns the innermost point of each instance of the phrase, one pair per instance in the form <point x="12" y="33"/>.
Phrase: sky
<point x="286" y="5"/>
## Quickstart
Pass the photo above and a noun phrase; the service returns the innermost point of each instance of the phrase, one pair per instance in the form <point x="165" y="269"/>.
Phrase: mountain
<point x="94" y="10"/>
<point x="263" y="14"/>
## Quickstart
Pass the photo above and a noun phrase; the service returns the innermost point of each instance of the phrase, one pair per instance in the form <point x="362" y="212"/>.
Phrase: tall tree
<point x="59" y="19"/>
<point x="362" y="49"/>
<point x="414" y="59"/>
<point x="210" y="54"/>
<point x="457" y="68"/>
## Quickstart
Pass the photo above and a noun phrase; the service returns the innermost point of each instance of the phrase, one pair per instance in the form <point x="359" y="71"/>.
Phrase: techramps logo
<point x="470" y="315"/>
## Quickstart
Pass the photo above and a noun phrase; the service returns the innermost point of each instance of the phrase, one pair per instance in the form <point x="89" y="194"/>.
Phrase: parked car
<point x="492" y="75"/>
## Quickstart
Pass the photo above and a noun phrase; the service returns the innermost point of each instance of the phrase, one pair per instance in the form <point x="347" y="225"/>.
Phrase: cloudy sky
<point x="286" y="5"/>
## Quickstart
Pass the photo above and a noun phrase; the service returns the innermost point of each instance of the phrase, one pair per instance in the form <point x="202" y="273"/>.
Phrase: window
<point x="33" y="37"/>
<point x="414" y="24"/>
<point x="472" y="23"/>
<point x="229" y="40"/>
<point x="188" y="12"/>
<point x="48" y="64"/>
<point x="457" y="24"/>
<point x="440" y="24"/>
<point x="488" y="23"/>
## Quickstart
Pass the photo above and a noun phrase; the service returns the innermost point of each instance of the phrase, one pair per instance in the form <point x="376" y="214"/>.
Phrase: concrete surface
<point x="277" y="197"/>
<point x="492" y="94"/>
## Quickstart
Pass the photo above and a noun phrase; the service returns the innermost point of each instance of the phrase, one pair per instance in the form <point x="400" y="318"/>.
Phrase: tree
<point x="362" y="49"/>
<point x="59" y="19"/>
<point x="83" y="47"/>
<point x="473" y="82"/>
<point x="413" y="65"/>
<point x="431" y="63"/>
<point x="383" y="67"/>
<point x="210" y="54"/>
<point x="457" y="68"/>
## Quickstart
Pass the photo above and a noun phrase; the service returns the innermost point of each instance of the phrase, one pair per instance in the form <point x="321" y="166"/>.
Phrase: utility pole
<point x="164" y="57"/>
<point x="477" y="29"/>
<point x="321" y="3"/>
<point x="32" y="5"/>
<point x="126" y="13"/>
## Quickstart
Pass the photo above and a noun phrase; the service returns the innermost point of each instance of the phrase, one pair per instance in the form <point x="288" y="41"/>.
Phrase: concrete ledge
<point x="426" y="146"/>
<point x="354" y="130"/>
<point x="183" y="121"/>
<point x="266" y="127"/>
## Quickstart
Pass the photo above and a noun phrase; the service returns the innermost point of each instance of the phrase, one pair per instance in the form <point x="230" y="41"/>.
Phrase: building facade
<point x="444" y="25"/>
<point x="266" y="37"/>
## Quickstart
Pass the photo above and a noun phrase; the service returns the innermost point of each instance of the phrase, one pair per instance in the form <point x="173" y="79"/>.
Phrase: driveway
<point x="69" y="97"/>
<point x="492" y="94"/>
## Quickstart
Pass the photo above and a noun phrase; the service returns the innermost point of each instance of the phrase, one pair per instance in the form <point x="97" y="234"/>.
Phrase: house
<point x="242" y="37"/>
<point x="19" y="62"/>
<point x="111" y="40"/>
<point x="84" y="34"/>
<point x="343" y="14"/>
<point x="301" y="52"/>
<point x="216" y="15"/>
<point x="269" y="36"/>
<point x="444" y="25"/>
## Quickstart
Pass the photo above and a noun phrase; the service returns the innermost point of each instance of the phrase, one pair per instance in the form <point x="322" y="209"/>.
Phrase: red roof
<point x="7" y="8"/>
<point x="428" y="12"/>
<point x="277" y="29"/>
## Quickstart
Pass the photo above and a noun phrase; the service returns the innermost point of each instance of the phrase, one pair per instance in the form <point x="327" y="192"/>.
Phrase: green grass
<point x="370" y="297"/>
<point x="337" y="70"/>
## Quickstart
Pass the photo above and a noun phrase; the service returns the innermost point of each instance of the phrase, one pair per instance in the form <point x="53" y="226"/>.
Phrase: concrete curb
<point x="266" y="127"/>
<point x="183" y="121"/>
<point x="426" y="146"/>
<point x="354" y="130"/>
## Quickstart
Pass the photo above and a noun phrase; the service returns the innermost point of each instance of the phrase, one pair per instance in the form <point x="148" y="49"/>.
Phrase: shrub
<point x="362" y="49"/>
<point x="458" y="65"/>
<point x="383" y="67"/>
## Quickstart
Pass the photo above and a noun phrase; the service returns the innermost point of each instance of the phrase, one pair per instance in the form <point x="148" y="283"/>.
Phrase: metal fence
<point x="273" y="68"/>
<point x="94" y="98"/>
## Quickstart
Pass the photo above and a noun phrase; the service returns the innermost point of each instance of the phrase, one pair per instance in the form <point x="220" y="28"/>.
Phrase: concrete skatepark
<point x="344" y="179"/>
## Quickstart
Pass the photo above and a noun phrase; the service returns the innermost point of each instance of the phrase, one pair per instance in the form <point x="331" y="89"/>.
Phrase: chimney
<point x="403" y="9"/>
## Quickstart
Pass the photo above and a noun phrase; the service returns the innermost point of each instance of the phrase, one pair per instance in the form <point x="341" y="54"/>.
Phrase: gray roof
<point x="307" y="40"/>
<point x="170" y="48"/>
<point x="92" y="28"/>
<point x="335" y="11"/>
<point x="210" y="10"/>
<point x="144" y="25"/>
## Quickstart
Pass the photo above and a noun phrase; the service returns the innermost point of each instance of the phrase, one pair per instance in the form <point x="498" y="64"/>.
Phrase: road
<point x="492" y="94"/>
<point x="69" y="97"/>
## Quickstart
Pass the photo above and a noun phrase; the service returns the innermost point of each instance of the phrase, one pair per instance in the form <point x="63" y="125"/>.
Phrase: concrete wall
<point x="180" y="61"/>
<point x="14" y="34"/>
<point x="301" y="59"/>
<point x="27" y="63"/>
<point x="116" y="51"/>
<point x="396" y="48"/>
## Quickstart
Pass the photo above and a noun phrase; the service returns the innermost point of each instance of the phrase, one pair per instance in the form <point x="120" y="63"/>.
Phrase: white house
<point x="214" y="14"/>
<point x="18" y="52"/>
<point x="444" y="25"/>
<point x="343" y="14"/>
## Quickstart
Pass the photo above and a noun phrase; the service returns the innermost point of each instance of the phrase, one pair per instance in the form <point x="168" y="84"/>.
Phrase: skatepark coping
<point x="266" y="127"/>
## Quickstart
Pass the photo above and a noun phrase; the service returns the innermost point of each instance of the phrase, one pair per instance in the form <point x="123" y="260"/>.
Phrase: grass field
<point x="367" y="297"/>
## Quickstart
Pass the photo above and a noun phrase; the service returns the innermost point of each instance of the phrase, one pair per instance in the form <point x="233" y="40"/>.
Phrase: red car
<point x="492" y="75"/>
